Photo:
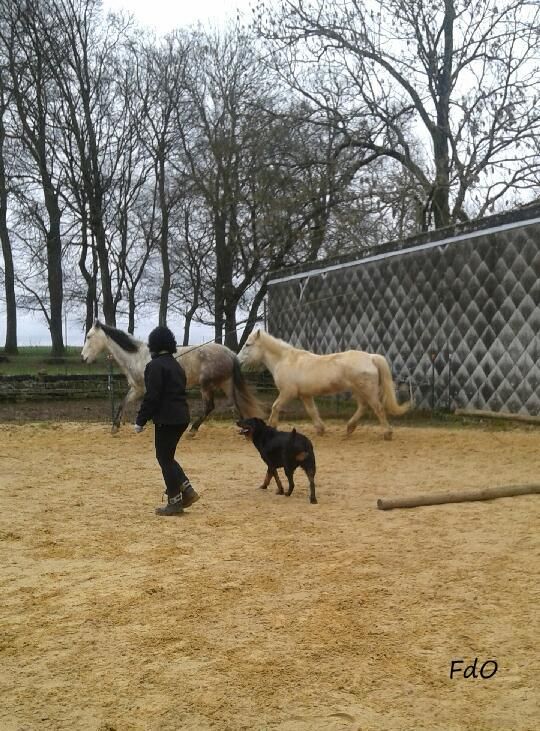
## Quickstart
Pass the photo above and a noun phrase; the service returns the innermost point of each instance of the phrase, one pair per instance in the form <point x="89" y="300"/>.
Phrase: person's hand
<point x="138" y="428"/>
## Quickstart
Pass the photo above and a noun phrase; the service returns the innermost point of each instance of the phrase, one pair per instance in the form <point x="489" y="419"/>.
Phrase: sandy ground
<point x="255" y="611"/>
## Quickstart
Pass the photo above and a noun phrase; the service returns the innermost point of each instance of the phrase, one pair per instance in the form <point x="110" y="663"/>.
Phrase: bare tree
<point x="159" y="75"/>
<point x="220" y="132"/>
<point x="76" y="202"/>
<point x="462" y="76"/>
<point x="36" y="106"/>
<point x="191" y="260"/>
<point x="268" y="178"/>
<point x="137" y="220"/>
<point x="83" y="54"/>
<point x="10" y="345"/>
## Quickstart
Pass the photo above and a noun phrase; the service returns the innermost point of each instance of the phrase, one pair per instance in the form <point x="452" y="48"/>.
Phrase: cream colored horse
<point x="301" y="374"/>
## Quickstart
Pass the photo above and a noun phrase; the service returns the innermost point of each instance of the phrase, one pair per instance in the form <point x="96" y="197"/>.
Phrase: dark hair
<point x="161" y="338"/>
<point x="124" y="340"/>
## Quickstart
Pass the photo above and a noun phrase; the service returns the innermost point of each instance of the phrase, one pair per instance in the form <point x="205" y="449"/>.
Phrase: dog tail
<point x="387" y="388"/>
<point x="244" y="398"/>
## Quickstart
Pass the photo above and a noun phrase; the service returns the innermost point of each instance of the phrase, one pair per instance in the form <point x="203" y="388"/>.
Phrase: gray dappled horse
<point x="211" y="366"/>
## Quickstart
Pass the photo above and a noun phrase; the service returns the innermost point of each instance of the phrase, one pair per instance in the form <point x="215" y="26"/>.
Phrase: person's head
<point x="161" y="339"/>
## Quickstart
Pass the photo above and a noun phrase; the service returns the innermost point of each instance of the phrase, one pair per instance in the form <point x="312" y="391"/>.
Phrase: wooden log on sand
<point x="486" y="493"/>
<point x="524" y="418"/>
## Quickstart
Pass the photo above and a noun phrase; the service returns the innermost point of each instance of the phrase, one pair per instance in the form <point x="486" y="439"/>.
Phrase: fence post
<point x="449" y="379"/>
<point x="110" y="385"/>
<point x="433" y="356"/>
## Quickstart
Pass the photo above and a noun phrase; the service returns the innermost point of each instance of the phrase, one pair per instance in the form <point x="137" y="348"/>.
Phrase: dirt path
<point x="263" y="612"/>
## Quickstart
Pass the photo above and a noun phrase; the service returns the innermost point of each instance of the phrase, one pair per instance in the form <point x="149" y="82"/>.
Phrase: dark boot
<point x="174" y="506"/>
<point x="189" y="496"/>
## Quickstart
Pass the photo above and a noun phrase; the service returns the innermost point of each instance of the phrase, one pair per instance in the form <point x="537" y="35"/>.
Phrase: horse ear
<point x="97" y="323"/>
<point x="257" y="334"/>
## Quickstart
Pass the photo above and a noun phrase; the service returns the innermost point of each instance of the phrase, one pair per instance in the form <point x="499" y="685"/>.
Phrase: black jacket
<point x="165" y="398"/>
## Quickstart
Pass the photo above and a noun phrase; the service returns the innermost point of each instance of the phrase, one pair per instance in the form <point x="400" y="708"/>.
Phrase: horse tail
<point x="244" y="399"/>
<point x="387" y="388"/>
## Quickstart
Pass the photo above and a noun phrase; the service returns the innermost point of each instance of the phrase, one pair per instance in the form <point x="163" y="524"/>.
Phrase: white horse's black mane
<point x="124" y="340"/>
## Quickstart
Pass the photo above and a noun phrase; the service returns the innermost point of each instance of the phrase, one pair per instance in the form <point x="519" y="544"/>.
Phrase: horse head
<point x="252" y="353"/>
<point x="94" y="343"/>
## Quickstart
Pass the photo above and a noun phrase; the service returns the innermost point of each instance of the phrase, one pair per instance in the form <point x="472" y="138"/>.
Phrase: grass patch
<point x="33" y="360"/>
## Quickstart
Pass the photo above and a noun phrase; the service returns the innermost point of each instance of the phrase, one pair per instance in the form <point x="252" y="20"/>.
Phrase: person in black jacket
<point x="166" y="404"/>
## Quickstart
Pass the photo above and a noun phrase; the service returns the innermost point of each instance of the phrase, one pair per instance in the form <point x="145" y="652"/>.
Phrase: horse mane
<point x="121" y="338"/>
<point x="275" y="343"/>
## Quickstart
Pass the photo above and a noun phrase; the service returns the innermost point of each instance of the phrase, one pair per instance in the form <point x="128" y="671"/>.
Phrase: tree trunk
<point x="96" y="223"/>
<point x="164" y="245"/>
<point x="231" y="336"/>
<point x="440" y="135"/>
<point x="219" y="290"/>
<point x="94" y="190"/>
<point x="54" y="268"/>
<point x="131" y="311"/>
<point x="188" y="318"/>
<point x="89" y="278"/>
<point x="252" y="317"/>
<point x="187" y="326"/>
<point x="9" y="271"/>
<point x="439" y="202"/>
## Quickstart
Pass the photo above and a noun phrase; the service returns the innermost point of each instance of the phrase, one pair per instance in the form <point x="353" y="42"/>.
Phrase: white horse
<point x="301" y="374"/>
<point x="211" y="366"/>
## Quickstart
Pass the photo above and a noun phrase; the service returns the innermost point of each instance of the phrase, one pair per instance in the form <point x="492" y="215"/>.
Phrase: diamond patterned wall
<point x="461" y="320"/>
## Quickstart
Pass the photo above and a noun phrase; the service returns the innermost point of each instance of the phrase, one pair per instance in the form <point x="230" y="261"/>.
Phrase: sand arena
<point x="262" y="612"/>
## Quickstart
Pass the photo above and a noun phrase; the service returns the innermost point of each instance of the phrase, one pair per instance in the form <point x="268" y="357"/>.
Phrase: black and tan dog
<point x="281" y="449"/>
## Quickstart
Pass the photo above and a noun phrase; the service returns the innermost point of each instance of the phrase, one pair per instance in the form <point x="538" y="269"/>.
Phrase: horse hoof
<point x="263" y="487"/>
<point x="115" y="429"/>
<point x="388" y="436"/>
<point x="313" y="501"/>
<point x="191" y="434"/>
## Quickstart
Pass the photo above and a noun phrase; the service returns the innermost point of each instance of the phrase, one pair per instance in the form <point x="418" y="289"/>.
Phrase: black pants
<point x="167" y="437"/>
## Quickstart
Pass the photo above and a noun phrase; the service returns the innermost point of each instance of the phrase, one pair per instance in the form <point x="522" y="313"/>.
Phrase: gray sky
<point x="166" y="15"/>
<point x="32" y="329"/>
